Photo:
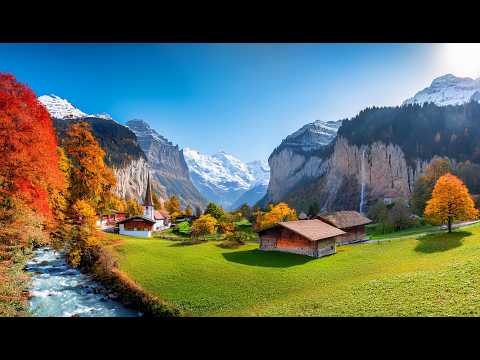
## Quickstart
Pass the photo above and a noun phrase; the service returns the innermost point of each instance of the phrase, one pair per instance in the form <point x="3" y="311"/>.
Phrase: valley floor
<point x="435" y="274"/>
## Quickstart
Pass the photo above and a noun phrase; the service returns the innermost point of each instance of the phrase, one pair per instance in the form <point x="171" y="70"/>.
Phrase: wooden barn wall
<point x="326" y="247"/>
<point x="353" y="234"/>
<point x="138" y="225"/>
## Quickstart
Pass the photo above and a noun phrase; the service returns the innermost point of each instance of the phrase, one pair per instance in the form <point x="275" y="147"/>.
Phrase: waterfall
<point x="362" y="176"/>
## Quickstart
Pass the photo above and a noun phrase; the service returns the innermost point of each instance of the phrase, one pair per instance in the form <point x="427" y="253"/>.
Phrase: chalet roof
<point x="344" y="219"/>
<point x="137" y="217"/>
<point x="313" y="230"/>
<point x="160" y="215"/>
<point x="148" y="201"/>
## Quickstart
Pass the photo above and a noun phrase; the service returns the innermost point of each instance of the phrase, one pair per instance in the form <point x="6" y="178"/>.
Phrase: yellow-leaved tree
<point x="276" y="214"/>
<point x="450" y="201"/>
<point x="204" y="225"/>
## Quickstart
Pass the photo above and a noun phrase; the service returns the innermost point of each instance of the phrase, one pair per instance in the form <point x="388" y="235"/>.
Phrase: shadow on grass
<point x="273" y="259"/>
<point x="179" y="243"/>
<point x="439" y="242"/>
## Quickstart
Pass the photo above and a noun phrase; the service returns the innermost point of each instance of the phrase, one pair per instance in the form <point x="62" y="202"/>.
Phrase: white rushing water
<point x="59" y="290"/>
<point x="362" y="175"/>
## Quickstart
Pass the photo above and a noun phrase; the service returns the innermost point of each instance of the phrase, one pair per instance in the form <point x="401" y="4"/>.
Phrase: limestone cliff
<point x="377" y="154"/>
<point x="167" y="164"/>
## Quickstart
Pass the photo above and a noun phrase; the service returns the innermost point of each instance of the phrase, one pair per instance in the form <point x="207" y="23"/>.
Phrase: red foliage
<point x="28" y="161"/>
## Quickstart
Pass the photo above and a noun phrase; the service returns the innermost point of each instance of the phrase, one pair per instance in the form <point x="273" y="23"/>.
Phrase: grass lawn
<point x="420" y="275"/>
<point x="171" y="234"/>
<point x="376" y="235"/>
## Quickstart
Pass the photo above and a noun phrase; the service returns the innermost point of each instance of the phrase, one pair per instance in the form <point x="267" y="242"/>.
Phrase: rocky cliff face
<point x="122" y="153"/>
<point x="336" y="182"/>
<point x="132" y="179"/>
<point x="377" y="154"/>
<point x="168" y="167"/>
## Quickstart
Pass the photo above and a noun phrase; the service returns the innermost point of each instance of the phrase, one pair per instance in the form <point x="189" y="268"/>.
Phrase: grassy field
<point x="373" y="234"/>
<point x="418" y="275"/>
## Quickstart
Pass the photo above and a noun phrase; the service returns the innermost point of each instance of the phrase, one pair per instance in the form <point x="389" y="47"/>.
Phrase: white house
<point x="152" y="220"/>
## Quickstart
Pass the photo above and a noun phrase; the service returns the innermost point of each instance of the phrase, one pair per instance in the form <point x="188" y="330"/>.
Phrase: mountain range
<point x="379" y="150"/>
<point x="226" y="180"/>
<point x="134" y="149"/>
<point x="328" y="162"/>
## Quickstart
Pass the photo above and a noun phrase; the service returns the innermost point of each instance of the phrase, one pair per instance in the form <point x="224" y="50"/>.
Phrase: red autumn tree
<point x="28" y="147"/>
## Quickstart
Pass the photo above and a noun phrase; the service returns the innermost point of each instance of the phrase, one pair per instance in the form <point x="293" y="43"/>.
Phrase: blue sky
<point x="240" y="98"/>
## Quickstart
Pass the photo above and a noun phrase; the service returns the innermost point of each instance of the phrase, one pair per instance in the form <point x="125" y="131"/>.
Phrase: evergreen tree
<point x="313" y="210"/>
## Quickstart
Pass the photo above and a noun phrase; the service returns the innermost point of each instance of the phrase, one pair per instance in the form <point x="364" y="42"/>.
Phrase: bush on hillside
<point x="182" y="228"/>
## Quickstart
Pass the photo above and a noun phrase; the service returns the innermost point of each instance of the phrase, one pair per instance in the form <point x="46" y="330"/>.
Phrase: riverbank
<point x="129" y="291"/>
<point x="14" y="282"/>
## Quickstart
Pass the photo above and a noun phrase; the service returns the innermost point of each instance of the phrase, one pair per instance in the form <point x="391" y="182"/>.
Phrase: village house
<point x="107" y="220"/>
<point x="351" y="222"/>
<point x="162" y="220"/>
<point x="151" y="220"/>
<point x="139" y="226"/>
<point x="306" y="237"/>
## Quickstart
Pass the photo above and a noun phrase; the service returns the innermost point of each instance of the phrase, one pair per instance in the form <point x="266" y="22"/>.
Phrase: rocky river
<point x="59" y="290"/>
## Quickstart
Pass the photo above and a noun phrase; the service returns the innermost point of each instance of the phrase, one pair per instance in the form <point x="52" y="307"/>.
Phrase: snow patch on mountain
<point x="448" y="90"/>
<point x="60" y="108"/>
<point x="313" y="135"/>
<point x="222" y="177"/>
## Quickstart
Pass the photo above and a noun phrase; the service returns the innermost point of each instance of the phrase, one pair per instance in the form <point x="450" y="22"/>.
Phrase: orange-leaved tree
<point x="91" y="183"/>
<point x="276" y="214"/>
<point x="28" y="144"/>
<point x="450" y="201"/>
<point x="29" y="166"/>
<point x="90" y="178"/>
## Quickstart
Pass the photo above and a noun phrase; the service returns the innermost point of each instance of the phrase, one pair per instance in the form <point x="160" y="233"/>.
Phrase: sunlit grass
<point x="419" y="275"/>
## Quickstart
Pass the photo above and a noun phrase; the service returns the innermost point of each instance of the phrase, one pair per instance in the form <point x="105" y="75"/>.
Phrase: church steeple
<point x="148" y="201"/>
<point x="148" y="210"/>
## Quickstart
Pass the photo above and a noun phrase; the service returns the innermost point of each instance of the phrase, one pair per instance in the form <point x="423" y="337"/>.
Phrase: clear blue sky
<point x="240" y="98"/>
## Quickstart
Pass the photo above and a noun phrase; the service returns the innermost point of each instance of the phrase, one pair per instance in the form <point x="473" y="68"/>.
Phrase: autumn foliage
<point x="276" y="214"/>
<point x="29" y="162"/>
<point x="204" y="225"/>
<point x="90" y="178"/>
<point x="450" y="201"/>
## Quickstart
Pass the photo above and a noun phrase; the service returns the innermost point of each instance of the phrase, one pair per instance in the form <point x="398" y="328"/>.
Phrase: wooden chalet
<point x="306" y="237"/>
<point x="139" y="226"/>
<point x="351" y="222"/>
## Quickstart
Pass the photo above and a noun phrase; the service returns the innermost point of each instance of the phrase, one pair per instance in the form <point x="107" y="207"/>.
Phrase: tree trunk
<point x="449" y="224"/>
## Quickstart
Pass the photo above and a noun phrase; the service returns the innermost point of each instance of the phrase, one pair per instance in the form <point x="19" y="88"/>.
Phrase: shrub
<point x="226" y="227"/>
<point x="183" y="228"/>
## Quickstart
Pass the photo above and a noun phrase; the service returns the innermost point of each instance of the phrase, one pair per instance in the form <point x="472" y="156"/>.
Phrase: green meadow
<point x="424" y="274"/>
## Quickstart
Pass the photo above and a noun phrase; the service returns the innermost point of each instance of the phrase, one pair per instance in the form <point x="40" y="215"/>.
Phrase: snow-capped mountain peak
<point x="222" y="177"/>
<point x="448" y="90"/>
<point x="103" y="116"/>
<point x="143" y="131"/>
<point x="314" y="135"/>
<point x="60" y="108"/>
